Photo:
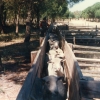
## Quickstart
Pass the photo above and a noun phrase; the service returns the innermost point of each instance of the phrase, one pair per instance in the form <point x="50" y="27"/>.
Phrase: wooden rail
<point x="88" y="59"/>
<point x="83" y="36"/>
<point x="36" y="69"/>
<point x="87" y="89"/>
<point x="86" y="52"/>
<point x="80" y="32"/>
<point x="86" y="47"/>
<point x="73" y="70"/>
<point x="90" y="89"/>
<point x="78" y="87"/>
<point x="88" y="65"/>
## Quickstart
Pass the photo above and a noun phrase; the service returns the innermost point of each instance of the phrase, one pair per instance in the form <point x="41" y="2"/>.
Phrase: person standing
<point x="43" y="28"/>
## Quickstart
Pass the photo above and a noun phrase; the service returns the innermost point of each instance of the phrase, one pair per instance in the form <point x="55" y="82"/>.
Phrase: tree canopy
<point x="52" y="8"/>
<point x="92" y="11"/>
<point x="15" y="9"/>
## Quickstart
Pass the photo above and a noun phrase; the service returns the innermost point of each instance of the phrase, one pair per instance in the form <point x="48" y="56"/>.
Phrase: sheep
<point x="55" y="68"/>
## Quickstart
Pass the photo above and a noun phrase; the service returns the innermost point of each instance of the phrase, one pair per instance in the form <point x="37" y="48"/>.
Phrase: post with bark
<point x="0" y="63"/>
<point x="28" y="27"/>
<point x="17" y="24"/>
<point x="27" y="34"/>
<point x="1" y="16"/>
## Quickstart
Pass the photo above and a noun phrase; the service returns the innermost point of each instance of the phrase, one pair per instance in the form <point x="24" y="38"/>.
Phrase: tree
<point x="90" y="12"/>
<point x="97" y="14"/>
<point x="28" y="27"/>
<point x="71" y="15"/>
<point x="1" y="15"/>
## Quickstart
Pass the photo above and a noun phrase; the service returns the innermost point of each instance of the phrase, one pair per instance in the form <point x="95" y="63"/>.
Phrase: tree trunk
<point x="38" y="19"/>
<point x="1" y="16"/>
<point x="4" y="15"/>
<point x="28" y="27"/>
<point x="17" y="24"/>
<point x="23" y="20"/>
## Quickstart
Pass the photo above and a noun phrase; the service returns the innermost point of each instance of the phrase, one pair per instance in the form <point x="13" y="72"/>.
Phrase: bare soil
<point x="15" y="56"/>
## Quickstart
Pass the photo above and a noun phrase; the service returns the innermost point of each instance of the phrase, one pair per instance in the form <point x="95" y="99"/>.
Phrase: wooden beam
<point x="74" y="72"/>
<point x="86" y="47"/>
<point x="81" y="38"/>
<point x="90" y="71"/>
<point x="88" y="59"/>
<point x="26" y="89"/>
<point x="77" y="31"/>
<point x="82" y="98"/>
<point x="33" y="55"/>
<point x="88" y="65"/>
<point x="85" y="52"/>
<point x="90" y="89"/>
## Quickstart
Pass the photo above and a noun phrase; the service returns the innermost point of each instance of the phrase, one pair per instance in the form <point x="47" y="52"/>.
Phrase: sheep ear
<point x="63" y="60"/>
<point x="43" y="81"/>
<point x="47" y="53"/>
<point x="48" y="40"/>
<point x="60" y="78"/>
<point x="49" y="61"/>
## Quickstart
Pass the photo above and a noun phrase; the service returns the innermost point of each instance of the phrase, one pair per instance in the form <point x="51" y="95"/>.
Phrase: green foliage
<point x="51" y="8"/>
<point x="71" y="15"/>
<point x="54" y="8"/>
<point x="92" y="11"/>
<point x="97" y="14"/>
<point x="77" y="14"/>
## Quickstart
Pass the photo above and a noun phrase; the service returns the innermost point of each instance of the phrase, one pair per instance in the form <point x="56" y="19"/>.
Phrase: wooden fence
<point x="79" y="88"/>
<point x="36" y="69"/>
<point x="83" y="37"/>
<point x="73" y="70"/>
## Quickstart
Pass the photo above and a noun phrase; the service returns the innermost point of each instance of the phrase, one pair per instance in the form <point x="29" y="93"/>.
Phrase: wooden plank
<point x="86" y="47"/>
<point x="78" y="31"/>
<point x="90" y="89"/>
<point x="90" y="71"/>
<point x="82" y="38"/>
<point x="85" y="52"/>
<point x="88" y="59"/>
<point x="88" y="65"/>
<point x="25" y="91"/>
<point x="82" y="98"/>
<point x="75" y="73"/>
<point x="71" y="46"/>
<point x="71" y="60"/>
<point x="33" y="55"/>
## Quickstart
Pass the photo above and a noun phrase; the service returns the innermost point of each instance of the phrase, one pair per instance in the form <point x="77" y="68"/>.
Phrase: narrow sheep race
<point x="56" y="74"/>
<point x="50" y="82"/>
<point x="51" y="85"/>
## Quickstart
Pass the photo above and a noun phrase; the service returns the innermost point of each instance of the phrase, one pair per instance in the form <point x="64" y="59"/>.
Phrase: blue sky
<point x="82" y="5"/>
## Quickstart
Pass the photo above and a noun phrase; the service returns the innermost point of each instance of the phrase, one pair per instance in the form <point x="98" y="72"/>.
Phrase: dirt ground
<point x="15" y="56"/>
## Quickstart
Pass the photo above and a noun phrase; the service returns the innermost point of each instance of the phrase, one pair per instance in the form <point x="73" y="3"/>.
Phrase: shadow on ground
<point x="16" y="60"/>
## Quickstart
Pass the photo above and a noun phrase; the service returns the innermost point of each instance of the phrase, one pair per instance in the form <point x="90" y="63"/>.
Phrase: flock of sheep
<point x="51" y="86"/>
<point x="55" y="57"/>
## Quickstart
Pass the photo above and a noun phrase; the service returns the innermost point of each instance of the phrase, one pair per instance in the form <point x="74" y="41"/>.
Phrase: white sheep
<point x="55" y="68"/>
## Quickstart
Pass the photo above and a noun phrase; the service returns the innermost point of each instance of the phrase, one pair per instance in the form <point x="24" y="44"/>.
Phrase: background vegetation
<point x="15" y="11"/>
<point x="91" y="13"/>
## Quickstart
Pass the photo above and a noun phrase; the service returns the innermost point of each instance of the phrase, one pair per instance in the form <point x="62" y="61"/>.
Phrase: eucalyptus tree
<point x="1" y="16"/>
<point x="54" y="8"/>
<point x="71" y="15"/>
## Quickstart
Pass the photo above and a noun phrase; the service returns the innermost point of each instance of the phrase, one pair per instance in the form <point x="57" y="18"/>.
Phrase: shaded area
<point x="16" y="59"/>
